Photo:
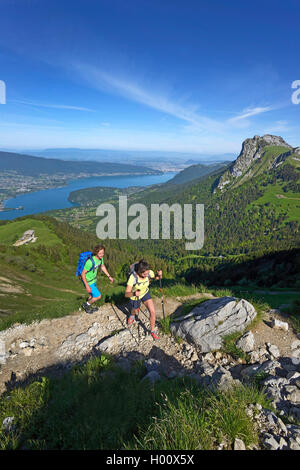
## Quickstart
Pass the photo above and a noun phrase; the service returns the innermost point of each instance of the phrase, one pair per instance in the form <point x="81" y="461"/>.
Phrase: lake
<point x="57" y="198"/>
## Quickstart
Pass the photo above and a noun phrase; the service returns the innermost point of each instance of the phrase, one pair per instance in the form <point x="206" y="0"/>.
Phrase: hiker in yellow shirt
<point x="137" y="290"/>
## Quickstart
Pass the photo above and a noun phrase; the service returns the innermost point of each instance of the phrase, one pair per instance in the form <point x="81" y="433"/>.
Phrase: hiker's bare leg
<point x="150" y="306"/>
<point x="134" y="311"/>
<point x="94" y="299"/>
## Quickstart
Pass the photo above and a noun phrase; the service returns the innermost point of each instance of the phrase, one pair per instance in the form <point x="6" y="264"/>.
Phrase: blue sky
<point x="192" y="76"/>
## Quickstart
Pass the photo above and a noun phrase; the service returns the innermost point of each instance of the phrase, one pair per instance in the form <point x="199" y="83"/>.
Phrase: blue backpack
<point x="84" y="256"/>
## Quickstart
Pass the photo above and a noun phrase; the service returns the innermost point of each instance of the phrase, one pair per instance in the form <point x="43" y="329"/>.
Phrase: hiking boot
<point x="155" y="335"/>
<point x="87" y="308"/>
<point x="95" y="309"/>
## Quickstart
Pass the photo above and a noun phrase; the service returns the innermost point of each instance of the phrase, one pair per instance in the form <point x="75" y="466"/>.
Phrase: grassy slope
<point x="97" y="406"/>
<point x="88" y="408"/>
<point x="11" y="232"/>
<point x="36" y="273"/>
<point x="233" y="222"/>
<point x="44" y="272"/>
<point x="46" y="277"/>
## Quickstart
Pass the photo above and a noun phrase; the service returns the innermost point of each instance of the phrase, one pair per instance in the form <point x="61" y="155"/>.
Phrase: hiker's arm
<point x="103" y="268"/>
<point x="84" y="271"/>
<point x="129" y="293"/>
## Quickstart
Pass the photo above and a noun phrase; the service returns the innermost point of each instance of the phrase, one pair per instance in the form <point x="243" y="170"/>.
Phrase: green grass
<point x="280" y="296"/>
<point x="198" y="419"/>
<point x="229" y="346"/>
<point x="11" y="232"/>
<point x="294" y="311"/>
<point x="99" y="406"/>
<point x="290" y="203"/>
<point x="175" y="290"/>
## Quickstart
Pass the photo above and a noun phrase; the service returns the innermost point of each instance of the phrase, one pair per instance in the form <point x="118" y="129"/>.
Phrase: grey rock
<point x="239" y="444"/>
<point x="67" y="346"/>
<point x="289" y="368"/>
<point x="246" y="342"/>
<point x="8" y="424"/>
<point x="297" y="381"/>
<point x="254" y="357"/>
<point x="283" y="444"/>
<point x="292" y="394"/>
<point x="295" y="344"/>
<point x="272" y="419"/>
<point x="3" y="358"/>
<point x="267" y="367"/>
<point x="205" y="369"/>
<point x="194" y="357"/>
<point x="152" y="364"/>
<point x="279" y="325"/>
<point x="152" y="376"/>
<point x="293" y="430"/>
<point x="282" y="426"/>
<point x="294" y="377"/>
<point x="274" y="351"/>
<point x="82" y="339"/>
<point x="94" y="329"/>
<point x="269" y="441"/>
<point x="295" y="412"/>
<point x="222" y="379"/>
<point x="293" y="444"/>
<point x="213" y="319"/>
<point x="110" y="343"/>
<point x="209" y="357"/>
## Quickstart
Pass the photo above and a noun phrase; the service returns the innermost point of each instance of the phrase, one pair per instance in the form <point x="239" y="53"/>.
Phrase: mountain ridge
<point x="33" y="165"/>
<point x="251" y="155"/>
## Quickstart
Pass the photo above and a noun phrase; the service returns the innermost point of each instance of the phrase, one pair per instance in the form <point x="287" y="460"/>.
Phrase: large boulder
<point x="209" y="322"/>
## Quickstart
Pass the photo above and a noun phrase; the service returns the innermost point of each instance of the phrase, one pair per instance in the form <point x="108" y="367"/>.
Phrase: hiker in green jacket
<point x="89" y="278"/>
<point x="137" y="290"/>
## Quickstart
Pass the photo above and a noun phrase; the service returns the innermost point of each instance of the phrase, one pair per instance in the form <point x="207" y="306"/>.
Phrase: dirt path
<point x="45" y="339"/>
<point x="25" y="279"/>
<point x="281" y="196"/>
<point x="47" y="347"/>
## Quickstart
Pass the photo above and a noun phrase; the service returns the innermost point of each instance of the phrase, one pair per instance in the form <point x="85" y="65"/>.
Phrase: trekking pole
<point x="162" y="298"/>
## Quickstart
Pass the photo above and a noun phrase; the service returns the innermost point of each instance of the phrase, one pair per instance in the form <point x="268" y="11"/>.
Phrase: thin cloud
<point x="128" y="89"/>
<point x="249" y="112"/>
<point x="56" y="106"/>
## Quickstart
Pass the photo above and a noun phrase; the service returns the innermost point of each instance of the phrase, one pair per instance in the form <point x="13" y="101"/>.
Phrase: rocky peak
<point x="252" y="149"/>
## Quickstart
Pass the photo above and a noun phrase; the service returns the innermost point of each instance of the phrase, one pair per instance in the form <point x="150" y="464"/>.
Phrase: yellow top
<point x="142" y="284"/>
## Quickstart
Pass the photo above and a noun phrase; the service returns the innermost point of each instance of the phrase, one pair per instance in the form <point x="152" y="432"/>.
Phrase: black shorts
<point x="134" y="304"/>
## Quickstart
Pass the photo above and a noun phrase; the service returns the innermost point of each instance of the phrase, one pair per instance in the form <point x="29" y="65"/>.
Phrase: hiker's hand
<point x="159" y="273"/>
<point x="89" y="290"/>
<point x="137" y="293"/>
<point x="111" y="279"/>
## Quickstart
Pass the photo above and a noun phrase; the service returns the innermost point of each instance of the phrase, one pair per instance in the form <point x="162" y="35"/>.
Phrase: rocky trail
<point x="51" y="347"/>
<point x="54" y="345"/>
